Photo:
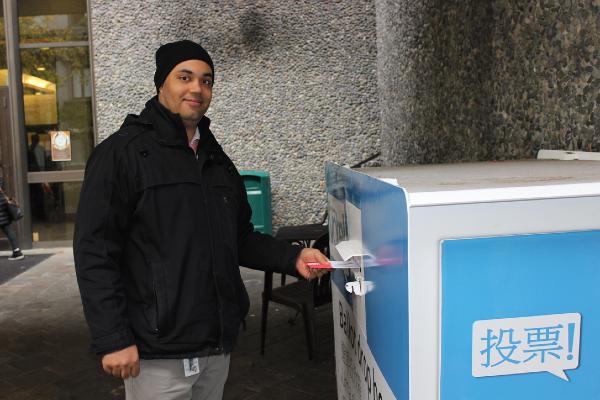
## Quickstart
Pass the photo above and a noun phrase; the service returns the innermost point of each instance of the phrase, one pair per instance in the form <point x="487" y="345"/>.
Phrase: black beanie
<point x="170" y="54"/>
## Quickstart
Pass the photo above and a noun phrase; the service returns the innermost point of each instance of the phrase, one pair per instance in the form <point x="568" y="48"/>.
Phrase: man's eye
<point x="184" y="78"/>
<point x="207" y="82"/>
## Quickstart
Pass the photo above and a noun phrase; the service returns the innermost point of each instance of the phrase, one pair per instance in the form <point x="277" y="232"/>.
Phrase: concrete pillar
<point x="464" y="80"/>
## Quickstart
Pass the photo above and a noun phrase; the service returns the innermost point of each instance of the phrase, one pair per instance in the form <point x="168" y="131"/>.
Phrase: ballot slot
<point x="356" y="258"/>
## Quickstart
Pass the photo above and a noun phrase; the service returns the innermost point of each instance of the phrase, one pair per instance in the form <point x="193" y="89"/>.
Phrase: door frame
<point x="15" y="94"/>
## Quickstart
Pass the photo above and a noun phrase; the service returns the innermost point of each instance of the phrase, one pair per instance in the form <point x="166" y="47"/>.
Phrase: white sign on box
<point x="544" y="343"/>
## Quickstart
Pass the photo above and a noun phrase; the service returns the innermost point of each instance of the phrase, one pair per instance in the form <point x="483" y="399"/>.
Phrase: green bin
<point x="258" y="189"/>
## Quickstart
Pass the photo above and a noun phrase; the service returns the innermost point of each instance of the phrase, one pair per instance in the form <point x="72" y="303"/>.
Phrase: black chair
<point x="302" y="295"/>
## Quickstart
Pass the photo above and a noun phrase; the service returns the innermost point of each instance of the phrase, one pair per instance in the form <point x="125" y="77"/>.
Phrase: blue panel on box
<point x="385" y="229"/>
<point x="513" y="277"/>
<point x="384" y="223"/>
<point x="336" y="181"/>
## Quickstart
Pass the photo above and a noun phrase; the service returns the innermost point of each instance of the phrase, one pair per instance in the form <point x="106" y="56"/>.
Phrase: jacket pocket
<point x="226" y="196"/>
<point x="161" y="322"/>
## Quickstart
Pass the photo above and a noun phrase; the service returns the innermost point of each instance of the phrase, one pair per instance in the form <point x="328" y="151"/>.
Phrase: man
<point x="162" y="226"/>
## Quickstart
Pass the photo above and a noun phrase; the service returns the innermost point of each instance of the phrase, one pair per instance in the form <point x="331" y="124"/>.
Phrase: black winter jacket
<point x="159" y="238"/>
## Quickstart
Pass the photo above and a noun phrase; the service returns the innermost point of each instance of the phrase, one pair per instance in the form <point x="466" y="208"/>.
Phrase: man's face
<point x="187" y="91"/>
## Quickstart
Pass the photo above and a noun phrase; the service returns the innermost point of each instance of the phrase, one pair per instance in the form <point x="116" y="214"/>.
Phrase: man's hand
<point x="307" y="255"/>
<point x="123" y="363"/>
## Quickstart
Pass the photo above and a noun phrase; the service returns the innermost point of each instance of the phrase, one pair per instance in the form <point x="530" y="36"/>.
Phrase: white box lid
<point x="438" y="184"/>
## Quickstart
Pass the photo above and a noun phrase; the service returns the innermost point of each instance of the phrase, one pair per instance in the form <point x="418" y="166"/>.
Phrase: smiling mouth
<point x="193" y="103"/>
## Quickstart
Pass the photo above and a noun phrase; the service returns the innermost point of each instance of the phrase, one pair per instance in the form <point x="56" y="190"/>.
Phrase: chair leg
<point x="263" y="323"/>
<point x="309" y="327"/>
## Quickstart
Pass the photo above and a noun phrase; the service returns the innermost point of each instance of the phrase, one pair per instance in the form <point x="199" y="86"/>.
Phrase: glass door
<point x="58" y="111"/>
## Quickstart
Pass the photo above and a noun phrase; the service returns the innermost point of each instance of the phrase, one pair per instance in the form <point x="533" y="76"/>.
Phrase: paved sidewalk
<point x="44" y="344"/>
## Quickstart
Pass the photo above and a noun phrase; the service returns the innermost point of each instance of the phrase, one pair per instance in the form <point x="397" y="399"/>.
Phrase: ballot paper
<point x="351" y="248"/>
<point x="334" y="265"/>
<point x="352" y="253"/>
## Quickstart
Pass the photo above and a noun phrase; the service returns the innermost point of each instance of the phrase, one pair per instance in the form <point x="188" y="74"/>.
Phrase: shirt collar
<point x="196" y="137"/>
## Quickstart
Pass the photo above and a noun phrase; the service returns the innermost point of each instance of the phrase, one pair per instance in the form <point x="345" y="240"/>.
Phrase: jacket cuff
<point x="291" y="258"/>
<point x="113" y="342"/>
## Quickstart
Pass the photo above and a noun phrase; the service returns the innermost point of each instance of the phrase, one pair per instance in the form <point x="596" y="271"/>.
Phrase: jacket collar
<point x="168" y="128"/>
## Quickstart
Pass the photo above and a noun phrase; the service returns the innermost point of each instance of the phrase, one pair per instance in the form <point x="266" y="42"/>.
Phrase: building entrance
<point x="52" y="120"/>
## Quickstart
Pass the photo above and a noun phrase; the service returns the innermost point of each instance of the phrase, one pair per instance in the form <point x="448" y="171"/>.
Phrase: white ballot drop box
<point x="467" y="281"/>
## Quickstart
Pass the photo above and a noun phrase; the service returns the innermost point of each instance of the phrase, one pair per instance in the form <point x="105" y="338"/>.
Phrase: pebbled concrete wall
<point x="546" y="87"/>
<point x="295" y="82"/>
<point x="433" y="63"/>
<point x="463" y="81"/>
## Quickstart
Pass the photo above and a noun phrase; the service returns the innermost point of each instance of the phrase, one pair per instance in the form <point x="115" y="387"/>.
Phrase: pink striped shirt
<point x="194" y="142"/>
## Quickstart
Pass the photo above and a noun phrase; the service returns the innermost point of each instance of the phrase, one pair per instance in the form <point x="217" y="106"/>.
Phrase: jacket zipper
<point x="212" y="254"/>
<point x="156" y="326"/>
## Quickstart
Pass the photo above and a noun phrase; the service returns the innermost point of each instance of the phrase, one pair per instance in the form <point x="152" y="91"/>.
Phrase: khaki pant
<point x="166" y="380"/>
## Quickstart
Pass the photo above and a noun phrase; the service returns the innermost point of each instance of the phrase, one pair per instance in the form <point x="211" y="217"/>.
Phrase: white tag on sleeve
<point x="191" y="366"/>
